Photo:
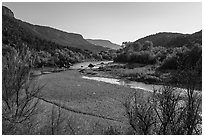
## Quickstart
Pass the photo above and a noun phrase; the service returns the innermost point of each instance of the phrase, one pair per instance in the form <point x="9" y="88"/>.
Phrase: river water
<point x="130" y="84"/>
<point x="84" y="65"/>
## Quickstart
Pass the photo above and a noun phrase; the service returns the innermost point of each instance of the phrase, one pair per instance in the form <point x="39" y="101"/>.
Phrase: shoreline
<point x="109" y="74"/>
<point x="104" y="70"/>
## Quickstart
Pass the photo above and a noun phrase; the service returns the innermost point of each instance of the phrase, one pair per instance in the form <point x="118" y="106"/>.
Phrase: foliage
<point x="18" y="91"/>
<point x="182" y="57"/>
<point x="15" y="33"/>
<point x="171" y="58"/>
<point x="133" y="46"/>
<point x="170" y="50"/>
<point x="168" y="110"/>
<point x="187" y="40"/>
<point x="160" y="39"/>
<point x="141" y="114"/>
<point x="148" y="45"/>
<point x="144" y="57"/>
<point x="137" y="53"/>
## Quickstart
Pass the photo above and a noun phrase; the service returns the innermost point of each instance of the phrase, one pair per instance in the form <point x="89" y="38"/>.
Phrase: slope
<point x="104" y="43"/>
<point x="160" y="39"/>
<point x="47" y="33"/>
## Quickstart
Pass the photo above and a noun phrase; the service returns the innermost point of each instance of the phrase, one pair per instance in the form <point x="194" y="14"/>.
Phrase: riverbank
<point x="90" y="107"/>
<point x="148" y="74"/>
<point x="87" y="106"/>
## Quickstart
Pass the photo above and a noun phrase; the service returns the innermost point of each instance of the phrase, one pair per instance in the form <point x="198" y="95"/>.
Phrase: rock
<point x="91" y="65"/>
<point x="82" y="70"/>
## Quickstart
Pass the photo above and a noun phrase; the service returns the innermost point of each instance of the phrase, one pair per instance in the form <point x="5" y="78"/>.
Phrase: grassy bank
<point x="133" y="72"/>
<point x="148" y="74"/>
<point x="91" y="107"/>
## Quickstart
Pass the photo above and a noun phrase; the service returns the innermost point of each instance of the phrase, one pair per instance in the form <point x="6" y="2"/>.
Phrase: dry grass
<point x="96" y="102"/>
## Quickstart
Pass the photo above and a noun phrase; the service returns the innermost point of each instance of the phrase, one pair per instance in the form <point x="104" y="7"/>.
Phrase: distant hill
<point x="160" y="39"/>
<point x="47" y="33"/>
<point x="186" y="40"/>
<point x="167" y="39"/>
<point x="104" y="43"/>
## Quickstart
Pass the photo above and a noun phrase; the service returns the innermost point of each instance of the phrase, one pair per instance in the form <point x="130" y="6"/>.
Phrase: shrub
<point x="18" y="91"/>
<point x="171" y="62"/>
<point x="148" y="45"/>
<point x="182" y="58"/>
<point x="169" y="111"/>
<point x="141" y="114"/>
<point x="143" y="57"/>
<point x="176" y="111"/>
<point x="191" y="57"/>
<point x="122" y="57"/>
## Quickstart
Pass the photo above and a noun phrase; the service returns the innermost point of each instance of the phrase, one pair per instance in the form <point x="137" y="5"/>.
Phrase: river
<point x="130" y="84"/>
<point x="84" y="65"/>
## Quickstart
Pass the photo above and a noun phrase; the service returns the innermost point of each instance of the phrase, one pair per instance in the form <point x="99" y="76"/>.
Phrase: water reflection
<point x="131" y="84"/>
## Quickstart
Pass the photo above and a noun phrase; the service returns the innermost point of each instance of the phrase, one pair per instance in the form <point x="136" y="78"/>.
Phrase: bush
<point x="18" y="92"/>
<point x="175" y="111"/>
<point x="141" y="114"/>
<point x="143" y="57"/>
<point x="192" y="56"/>
<point x="182" y="58"/>
<point x="122" y="57"/>
<point x="171" y="62"/>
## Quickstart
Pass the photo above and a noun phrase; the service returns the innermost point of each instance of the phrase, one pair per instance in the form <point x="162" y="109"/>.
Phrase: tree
<point x="137" y="46"/>
<point x="18" y="91"/>
<point x="141" y="114"/>
<point x="176" y="111"/>
<point x="192" y="114"/>
<point x="168" y="109"/>
<point x="148" y="45"/>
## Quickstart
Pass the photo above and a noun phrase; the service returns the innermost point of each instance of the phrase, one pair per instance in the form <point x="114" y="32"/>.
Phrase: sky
<point x="117" y="22"/>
